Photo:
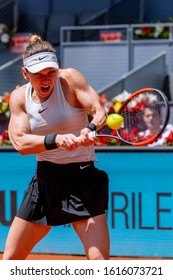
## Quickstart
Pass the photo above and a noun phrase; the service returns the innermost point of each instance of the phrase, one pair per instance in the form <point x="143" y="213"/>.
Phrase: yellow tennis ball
<point x="114" y="121"/>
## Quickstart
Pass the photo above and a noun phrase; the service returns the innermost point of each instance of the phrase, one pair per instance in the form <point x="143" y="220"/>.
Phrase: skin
<point x="77" y="92"/>
<point x="151" y="120"/>
<point x="23" y="235"/>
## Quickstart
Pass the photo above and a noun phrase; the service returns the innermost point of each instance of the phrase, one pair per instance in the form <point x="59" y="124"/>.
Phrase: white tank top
<point x="56" y="115"/>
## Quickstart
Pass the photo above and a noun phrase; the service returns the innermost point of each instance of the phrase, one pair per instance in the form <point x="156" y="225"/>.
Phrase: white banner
<point x="87" y="270"/>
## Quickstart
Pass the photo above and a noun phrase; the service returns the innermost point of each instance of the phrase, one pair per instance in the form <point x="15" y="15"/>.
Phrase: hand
<point x="68" y="141"/>
<point x="84" y="138"/>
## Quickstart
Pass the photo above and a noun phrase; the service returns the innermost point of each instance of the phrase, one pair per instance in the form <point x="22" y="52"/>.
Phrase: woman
<point x="152" y="118"/>
<point x="49" y="119"/>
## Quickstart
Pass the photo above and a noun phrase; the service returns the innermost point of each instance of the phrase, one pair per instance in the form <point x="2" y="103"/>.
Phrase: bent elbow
<point x="19" y="145"/>
<point x="20" y="148"/>
<point x="22" y="152"/>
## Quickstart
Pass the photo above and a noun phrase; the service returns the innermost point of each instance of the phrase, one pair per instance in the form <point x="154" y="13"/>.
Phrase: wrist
<point x="91" y="126"/>
<point x="49" y="141"/>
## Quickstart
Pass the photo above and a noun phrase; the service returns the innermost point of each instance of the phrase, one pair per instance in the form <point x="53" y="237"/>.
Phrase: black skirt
<point x="64" y="193"/>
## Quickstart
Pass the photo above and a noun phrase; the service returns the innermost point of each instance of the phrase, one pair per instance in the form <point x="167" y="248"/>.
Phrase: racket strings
<point x="144" y="117"/>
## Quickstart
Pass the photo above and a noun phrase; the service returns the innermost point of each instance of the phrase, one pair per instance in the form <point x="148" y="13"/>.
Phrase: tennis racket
<point x="136" y="111"/>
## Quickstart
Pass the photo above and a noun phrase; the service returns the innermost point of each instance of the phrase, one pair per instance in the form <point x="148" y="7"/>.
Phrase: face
<point x="43" y="82"/>
<point x="151" y="119"/>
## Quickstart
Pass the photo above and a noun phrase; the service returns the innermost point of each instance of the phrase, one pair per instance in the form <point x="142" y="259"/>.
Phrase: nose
<point x="45" y="80"/>
<point x="150" y="117"/>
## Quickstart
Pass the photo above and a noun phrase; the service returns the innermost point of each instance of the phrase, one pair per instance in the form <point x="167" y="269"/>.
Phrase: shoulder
<point x="72" y="75"/>
<point x="67" y="72"/>
<point x="18" y="95"/>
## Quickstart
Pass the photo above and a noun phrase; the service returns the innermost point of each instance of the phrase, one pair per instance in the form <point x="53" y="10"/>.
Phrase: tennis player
<point x="48" y="114"/>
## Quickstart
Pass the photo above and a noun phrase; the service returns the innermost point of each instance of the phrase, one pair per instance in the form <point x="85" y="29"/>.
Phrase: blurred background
<point x="117" y="44"/>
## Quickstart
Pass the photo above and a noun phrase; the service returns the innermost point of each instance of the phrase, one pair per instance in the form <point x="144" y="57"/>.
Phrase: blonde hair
<point x="37" y="45"/>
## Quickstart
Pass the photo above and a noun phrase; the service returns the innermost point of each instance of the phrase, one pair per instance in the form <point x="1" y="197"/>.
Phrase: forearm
<point x="33" y="144"/>
<point x="28" y="143"/>
<point x="99" y="118"/>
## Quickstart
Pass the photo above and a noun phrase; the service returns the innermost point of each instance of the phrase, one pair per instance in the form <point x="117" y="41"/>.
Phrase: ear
<point x="25" y="74"/>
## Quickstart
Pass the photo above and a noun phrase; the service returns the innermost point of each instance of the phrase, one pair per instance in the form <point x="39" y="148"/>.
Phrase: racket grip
<point x="92" y="134"/>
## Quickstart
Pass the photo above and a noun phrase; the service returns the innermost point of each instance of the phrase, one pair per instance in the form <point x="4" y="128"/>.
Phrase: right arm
<point x="19" y="129"/>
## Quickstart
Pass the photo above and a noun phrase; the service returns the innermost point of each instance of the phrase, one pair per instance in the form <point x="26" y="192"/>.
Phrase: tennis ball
<point x="114" y="121"/>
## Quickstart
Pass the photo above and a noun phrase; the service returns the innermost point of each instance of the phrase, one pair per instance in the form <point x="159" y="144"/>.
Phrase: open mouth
<point x="45" y="89"/>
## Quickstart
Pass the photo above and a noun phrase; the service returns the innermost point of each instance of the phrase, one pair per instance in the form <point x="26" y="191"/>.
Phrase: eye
<point x="52" y="72"/>
<point x="36" y="75"/>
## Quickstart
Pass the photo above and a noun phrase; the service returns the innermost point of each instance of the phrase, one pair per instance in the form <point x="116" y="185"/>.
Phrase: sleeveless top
<point x="56" y="115"/>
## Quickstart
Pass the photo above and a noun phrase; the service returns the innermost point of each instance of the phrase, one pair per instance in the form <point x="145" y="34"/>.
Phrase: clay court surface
<point x="78" y="257"/>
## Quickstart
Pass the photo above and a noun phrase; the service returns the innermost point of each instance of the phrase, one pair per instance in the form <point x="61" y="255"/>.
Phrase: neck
<point x="38" y="98"/>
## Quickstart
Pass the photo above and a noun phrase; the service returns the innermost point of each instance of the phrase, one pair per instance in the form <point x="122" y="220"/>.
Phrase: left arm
<point x="90" y="100"/>
<point x="87" y="97"/>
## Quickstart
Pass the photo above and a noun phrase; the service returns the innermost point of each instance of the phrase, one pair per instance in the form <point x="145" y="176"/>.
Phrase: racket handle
<point x="93" y="134"/>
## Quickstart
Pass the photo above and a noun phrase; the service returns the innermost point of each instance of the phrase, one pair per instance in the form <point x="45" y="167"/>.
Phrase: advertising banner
<point x="140" y="215"/>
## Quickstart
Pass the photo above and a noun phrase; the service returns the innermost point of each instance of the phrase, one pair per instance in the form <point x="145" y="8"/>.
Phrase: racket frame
<point x="151" y="139"/>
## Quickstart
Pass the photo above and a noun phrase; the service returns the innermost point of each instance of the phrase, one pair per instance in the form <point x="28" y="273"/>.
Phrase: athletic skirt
<point x="64" y="193"/>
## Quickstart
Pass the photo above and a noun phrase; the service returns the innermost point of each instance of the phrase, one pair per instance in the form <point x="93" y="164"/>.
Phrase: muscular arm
<point x="86" y="96"/>
<point x="81" y="94"/>
<point x="19" y="129"/>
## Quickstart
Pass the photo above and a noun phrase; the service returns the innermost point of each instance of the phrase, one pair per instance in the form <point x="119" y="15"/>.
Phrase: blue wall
<point x="140" y="215"/>
<point x="38" y="6"/>
<point x="153" y="9"/>
<point x="76" y="6"/>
